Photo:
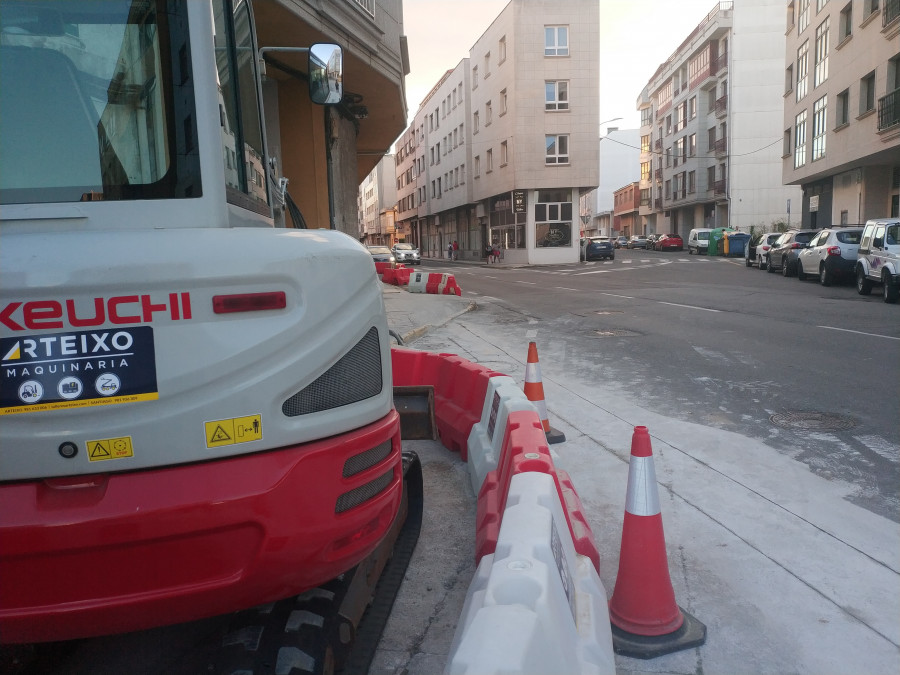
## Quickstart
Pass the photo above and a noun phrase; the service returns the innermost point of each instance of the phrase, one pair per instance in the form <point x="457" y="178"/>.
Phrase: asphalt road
<point x="811" y="371"/>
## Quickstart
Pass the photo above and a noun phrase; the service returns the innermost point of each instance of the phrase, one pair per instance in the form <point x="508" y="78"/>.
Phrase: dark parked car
<point x="637" y="241"/>
<point x="783" y="254"/>
<point x="758" y="247"/>
<point x="669" y="242"/>
<point x="599" y="248"/>
<point x="651" y="241"/>
<point x="621" y="242"/>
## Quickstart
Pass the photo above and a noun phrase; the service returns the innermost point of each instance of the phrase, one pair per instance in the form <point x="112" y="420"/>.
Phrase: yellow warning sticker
<point x="234" y="430"/>
<point x="110" y="448"/>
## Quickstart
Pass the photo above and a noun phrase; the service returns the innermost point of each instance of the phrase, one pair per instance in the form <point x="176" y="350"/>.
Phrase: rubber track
<point x="372" y="624"/>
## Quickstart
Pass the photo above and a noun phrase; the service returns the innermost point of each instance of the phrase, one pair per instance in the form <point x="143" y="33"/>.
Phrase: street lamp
<point x="614" y="119"/>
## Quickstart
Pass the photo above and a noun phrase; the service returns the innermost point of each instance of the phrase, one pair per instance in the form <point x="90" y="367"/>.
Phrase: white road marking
<point x="675" y="304"/>
<point x="530" y="283"/>
<point x="859" y="332"/>
<point x="563" y="288"/>
<point x="880" y="447"/>
<point x="627" y="297"/>
<point x="530" y="333"/>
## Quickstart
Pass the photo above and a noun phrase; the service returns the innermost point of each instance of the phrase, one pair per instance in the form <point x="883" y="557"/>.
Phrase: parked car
<point x="831" y="255"/>
<point x="758" y="247"/>
<point x="698" y="240"/>
<point x="598" y="248"/>
<point x="383" y="258"/>
<point x="651" y="241"/>
<point x="878" y="261"/>
<point x="621" y="242"/>
<point x="406" y="253"/>
<point x="669" y="242"/>
<point x="783" y="254"/>
<point x="637" y="241"/>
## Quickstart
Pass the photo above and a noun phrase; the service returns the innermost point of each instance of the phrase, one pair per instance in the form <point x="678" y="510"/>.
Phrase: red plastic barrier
<point x="389" y="276"/>
<point x="402" y="275"/>
<point x="525" y="449"/>
<point x="452" y="288"/>
<point x="412" y="368"/>
<point x="380" y="267"/>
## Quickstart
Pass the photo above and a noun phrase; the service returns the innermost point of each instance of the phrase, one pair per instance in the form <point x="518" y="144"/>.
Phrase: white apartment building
<point x="842" y="109"/>
<point x="618" y="159"/>
<point x="377" y="199"/>
<point x="509" y="137"/>
<point x="711" y="124"/>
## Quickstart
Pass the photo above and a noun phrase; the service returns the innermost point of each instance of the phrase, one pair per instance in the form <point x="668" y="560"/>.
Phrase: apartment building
<point x="626" y="209"/>
<point x="377" y="199"/>
<point x="618" y="164"/>
<point x="509" y="137"/>
<point x="711" y="122"/>
<point x="841" y="140"/>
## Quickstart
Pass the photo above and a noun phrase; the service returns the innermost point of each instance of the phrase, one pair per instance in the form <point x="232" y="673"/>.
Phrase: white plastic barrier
<point x="417" y="282"/>
<point x="534" y="606"/>
<point x="502" y="397"/>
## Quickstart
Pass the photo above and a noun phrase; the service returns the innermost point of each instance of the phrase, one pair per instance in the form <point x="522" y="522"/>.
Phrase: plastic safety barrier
<point x="534" y="606"/>
<point x="485" y="441"/>
<point x="417" y="282"/>
<point x="525" y="449"/>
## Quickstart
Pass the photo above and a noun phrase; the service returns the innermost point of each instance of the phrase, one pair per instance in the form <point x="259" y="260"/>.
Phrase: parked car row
<point x="868" y="254"/>
<point x="598" y="248"/>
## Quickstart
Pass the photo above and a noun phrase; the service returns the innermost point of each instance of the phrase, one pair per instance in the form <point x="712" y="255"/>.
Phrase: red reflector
<point x="249" y="302"/>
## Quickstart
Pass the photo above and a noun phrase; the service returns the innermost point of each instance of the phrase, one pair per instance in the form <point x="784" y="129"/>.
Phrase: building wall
<point x="855" y="172"/>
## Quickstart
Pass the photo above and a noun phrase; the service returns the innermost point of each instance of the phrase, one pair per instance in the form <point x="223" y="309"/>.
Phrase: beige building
<point x="842" y="109"/>
<point x="507" y="141"/>
<point x="711" y="123"/>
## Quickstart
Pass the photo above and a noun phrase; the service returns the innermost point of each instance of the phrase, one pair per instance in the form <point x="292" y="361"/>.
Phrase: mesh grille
<point x="366" y="459"/>
<point x="355" y="497"/>
<point x="355" y="377"/>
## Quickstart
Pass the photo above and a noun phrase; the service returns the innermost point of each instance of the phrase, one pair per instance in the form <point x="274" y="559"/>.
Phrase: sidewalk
<point x="411" y="315"/>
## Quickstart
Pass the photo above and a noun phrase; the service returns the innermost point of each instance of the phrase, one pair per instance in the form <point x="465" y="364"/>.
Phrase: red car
<point x="669" y="242"/>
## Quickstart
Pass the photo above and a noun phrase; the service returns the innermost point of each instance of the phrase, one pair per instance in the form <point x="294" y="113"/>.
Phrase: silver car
<point x="831" y="255"/>
<point x="407" y="254"/>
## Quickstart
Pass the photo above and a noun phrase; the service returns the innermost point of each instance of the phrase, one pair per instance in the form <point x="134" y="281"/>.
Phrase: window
<point x="692" y="182"/>
<point x="503" y="102"/>
<point x="646" y="117"/>
<point x="504" y="153"/>
<point x="368" y="5"/>
<point x="711" y="139"/>
<point x="557" y="149"/>
<point x="789" y="79"/>
<point x="842" y="109"/>
<point x="802" y="69"/>
<point x="804" y="16"/>
<point x="821" y="73"/>
<point x="556" y="40"/>
<point x="845" y="28"/>
<point x="692" y="145"/>
<point x="867" y="93"/>
<point x="475" y="120"/>
<point x="487" y="65"/>
<point x="488" y="113"/>
<point x="680" y="151"/>
<point x="668" y="124"/>
<point x="820" y="4"/>
<point x="786" y="144"/>
<point x="645" y="171"/>
<point x="556" y="95"/>
<point x="820" y="118"/>
<point x="645" y="143"/>
<point x="800" y="140"/>
<point x="790" y="15"/>
<point x="474" y="77"/>
<point x="668" y="191"/>
<point x="668" y="157"/>
<point x="710" y="177"/>
<point x="869" y="8"/>
<point x="477" y="166"/>
<point x="692" y="107"/>
<point x="501" y="50"/>
<point x="553" y="219"/>
<point x="489" y="161"/>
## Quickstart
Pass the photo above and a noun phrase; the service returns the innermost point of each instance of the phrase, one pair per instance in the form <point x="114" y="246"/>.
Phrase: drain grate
<point x="617" y="332"/>
<point x="812" y="421"/>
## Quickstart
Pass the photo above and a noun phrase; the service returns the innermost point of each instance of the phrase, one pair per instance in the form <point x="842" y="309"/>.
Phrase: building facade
<point x="626" y="210"/>
<point x="619" y="163"/>
<point x="507" y="141"/>
<point x="841" y="140"/>
<point x="377" y="199"/>
<point x="710" y="126"/>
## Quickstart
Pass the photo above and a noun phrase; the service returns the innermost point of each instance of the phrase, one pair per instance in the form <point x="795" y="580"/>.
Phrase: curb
<point x="418" y="332"/>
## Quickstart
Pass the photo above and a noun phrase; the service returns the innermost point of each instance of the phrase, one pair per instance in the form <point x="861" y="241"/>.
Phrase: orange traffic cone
<point x="534" y="391"/>
<point x="645" y="620"/>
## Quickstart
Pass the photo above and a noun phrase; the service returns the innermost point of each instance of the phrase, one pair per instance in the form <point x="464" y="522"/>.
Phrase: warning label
<point x="234" y="430"/>
<point x="110" y="448"/>
<point x="76" y="370"/>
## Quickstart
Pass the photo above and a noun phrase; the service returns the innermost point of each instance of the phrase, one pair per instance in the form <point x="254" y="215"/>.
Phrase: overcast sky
<point x="636" y="36"/>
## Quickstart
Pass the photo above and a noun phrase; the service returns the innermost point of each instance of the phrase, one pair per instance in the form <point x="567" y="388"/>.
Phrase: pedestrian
<point x="450" y="250"/>
<point x="495" y="253"/>
<point x="455" y="250"/>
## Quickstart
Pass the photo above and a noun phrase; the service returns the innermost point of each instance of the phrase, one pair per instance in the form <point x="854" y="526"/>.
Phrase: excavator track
<point x="336" y="627"/>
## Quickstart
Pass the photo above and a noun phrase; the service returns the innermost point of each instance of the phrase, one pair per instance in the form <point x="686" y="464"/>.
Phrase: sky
<point x="636" y="36"/>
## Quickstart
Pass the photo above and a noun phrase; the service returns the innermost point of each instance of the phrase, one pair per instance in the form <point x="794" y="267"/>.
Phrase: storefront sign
<point x="519" y="201"/>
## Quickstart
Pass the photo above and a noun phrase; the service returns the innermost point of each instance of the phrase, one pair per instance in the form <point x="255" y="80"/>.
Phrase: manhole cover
<point x="812" y="421"/>
<point x="616" y="333"/>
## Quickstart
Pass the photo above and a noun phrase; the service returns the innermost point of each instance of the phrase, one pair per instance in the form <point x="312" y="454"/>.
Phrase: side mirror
<point x="326" y="85"/>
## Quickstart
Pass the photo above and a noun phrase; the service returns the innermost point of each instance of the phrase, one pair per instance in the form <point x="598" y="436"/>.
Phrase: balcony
<point x="657" y="145"/>
<point x="720" y="64"/>
<point x="719" y="187"/>
<point x="722" y="106"/>
<point x="889" y="109"/>
<point x="657" y="174"/>
<point x="721" y="146"/>
<point x="657" y="204"/>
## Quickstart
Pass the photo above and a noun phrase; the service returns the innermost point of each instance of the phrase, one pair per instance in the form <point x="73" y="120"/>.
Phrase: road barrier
<point x="535" y="605"/>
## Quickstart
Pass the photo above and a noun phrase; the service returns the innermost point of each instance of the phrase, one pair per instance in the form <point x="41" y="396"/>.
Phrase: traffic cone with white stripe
<point x="646" y="621"/>
<point x="534" y="391"/>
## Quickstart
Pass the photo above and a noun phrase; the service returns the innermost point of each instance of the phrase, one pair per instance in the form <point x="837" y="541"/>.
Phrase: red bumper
<point x="112" y="553"/>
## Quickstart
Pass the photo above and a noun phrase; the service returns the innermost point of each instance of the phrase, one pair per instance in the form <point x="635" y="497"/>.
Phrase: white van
<point x="878" y="259"/>
<point x="698" y="240"/>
